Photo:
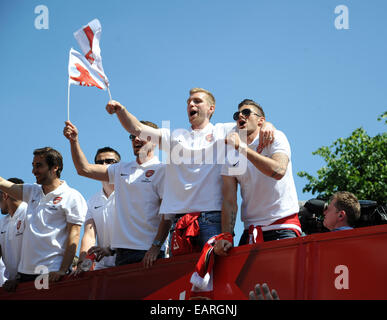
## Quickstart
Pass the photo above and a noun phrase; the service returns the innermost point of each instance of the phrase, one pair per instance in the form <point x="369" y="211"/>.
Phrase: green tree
<point x="357" y="164"/>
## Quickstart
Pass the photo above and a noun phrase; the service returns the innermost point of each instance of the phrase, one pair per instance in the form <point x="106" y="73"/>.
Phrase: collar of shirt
<point x="342" y="228"/>
<point x="208" y="128"/>
<point x="154" y="160"/>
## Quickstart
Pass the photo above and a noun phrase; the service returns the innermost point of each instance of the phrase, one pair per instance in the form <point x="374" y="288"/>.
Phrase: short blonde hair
<point x="349" y="203"/>
<point x="210" y="97"/>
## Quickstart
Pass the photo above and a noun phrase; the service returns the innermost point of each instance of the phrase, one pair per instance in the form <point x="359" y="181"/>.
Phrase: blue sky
<point x="315" y="82"/>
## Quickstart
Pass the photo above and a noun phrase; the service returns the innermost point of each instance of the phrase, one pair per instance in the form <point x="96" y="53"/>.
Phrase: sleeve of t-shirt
<point x="77" y="209"/>
<point x="89" y="214"/>
<point x="112" y="172"/>
<point x="28" y="191"/>
<point x="160" y="182"/>
<point x="280" y="144"/>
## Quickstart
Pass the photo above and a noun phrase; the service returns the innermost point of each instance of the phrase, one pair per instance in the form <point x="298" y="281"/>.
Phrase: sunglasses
<point x="245" y="112"/>
<point x="107" y="161"/>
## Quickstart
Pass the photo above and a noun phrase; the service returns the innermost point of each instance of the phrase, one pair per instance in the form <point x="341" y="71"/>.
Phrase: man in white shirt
<point x="269" y="199"/>
<point x="138" y="230"/>
<point x="11" y="231"/>
<point x="193" y="181"/>
<point x="54" y="218"/>
<point x="100" y="215"/>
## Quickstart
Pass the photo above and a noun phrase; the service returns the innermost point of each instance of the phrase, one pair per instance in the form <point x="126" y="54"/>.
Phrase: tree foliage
<point x="357" y="164"/>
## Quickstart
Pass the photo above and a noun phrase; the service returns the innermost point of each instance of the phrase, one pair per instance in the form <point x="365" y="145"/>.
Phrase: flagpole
<point x="110" y="96"/>
<point x="68" y="101"/>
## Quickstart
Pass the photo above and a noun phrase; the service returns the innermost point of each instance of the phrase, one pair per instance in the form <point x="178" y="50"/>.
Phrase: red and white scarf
<point x="202" y="278"/>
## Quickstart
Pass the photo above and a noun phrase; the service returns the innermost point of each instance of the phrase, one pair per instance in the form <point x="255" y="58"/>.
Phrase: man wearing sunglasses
<point x="269" y="199"/>
<point x="192" y="186"/>
<point x="138" y="231"/>
<point x="99" y="217"/>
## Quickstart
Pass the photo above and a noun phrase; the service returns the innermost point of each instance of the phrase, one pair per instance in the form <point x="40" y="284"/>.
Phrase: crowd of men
<point x="190" y="198"/>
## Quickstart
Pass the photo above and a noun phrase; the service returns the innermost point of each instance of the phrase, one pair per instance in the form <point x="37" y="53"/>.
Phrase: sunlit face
<point x="251" y="122"/>
<point x="137" y="145"/>
<point x="199" y="109"/>
<point x="331" y="215"/>
<point x="42" y="173"/>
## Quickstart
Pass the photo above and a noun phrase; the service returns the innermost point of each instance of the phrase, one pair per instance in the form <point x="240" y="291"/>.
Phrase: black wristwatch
<point x="157" y="243"/>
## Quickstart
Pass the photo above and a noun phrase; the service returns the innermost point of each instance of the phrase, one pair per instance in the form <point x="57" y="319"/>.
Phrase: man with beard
<point x="54" y="218"/>
<point x="138" y="229"/>
<point x="269" y="199"/>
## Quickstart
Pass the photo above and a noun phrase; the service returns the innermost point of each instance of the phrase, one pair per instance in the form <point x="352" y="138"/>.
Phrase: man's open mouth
<point x="241" y="123"/>
<point x="193" y="112"/>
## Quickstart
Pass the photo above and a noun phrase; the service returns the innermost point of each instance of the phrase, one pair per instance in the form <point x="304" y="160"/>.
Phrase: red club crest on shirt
<point x="149" y="173"/>
<point x="57" y="200"/>
<point x="209" y="137"/>
<point x="18" y="225"/>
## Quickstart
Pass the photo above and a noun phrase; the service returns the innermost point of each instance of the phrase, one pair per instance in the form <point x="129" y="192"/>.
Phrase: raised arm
<point x="84" y="168"/>
<point x="132" y="124"/>
<point x="274" y="167"/>
<point x="13" y="189"/>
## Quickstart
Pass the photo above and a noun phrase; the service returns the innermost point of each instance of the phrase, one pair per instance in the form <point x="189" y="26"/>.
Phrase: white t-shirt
<point x="194" y="159"/>
<point x="102" y="209"/>
<point x="138" y="190"/>
<point x="45" y="235"/>
<point x="11" y="237"/>
<point x="264" y="199"/>
<point x="3" y="278"/>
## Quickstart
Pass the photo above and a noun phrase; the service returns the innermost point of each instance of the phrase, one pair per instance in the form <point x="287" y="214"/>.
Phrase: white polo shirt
<point x="264" y="199"/>
<point x="194" y="159"/>
<point x="138" y="190"/>
<point x="102" y="209"/>
<point x="11" y="237"/>
<point x="3" y="278"/>
<point x="45" y="235"/>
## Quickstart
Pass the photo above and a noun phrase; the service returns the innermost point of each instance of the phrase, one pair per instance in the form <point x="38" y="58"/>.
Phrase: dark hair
<point x="150" y="124"/>
<point x="52" y="157"/>
<point x="16" y="180"/>
<point x="252" y="103"/>
<point x="106" y="149"/>
<point x="347" y="202"/>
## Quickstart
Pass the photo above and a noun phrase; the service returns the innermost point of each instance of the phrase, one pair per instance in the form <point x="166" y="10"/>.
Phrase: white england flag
<point x="88" y="38"/>
<point x="81" y="73"/>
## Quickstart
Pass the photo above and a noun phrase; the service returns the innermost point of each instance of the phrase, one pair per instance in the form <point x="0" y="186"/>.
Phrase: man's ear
<point x="212" y="108"/>
<point x="55" y="169"/>
<point x="342" y="215"/>
<point x="261" y="121"/>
